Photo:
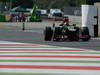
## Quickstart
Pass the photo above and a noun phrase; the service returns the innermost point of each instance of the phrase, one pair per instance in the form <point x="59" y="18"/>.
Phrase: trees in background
<point x="59" y="3"/>
<point x="23" y="3"/>
<point x="5" y="5"/>
<point x="48" y="3"/>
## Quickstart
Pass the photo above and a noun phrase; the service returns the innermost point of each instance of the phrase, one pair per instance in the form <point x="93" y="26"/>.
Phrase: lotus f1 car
<point x="66" y="32"/>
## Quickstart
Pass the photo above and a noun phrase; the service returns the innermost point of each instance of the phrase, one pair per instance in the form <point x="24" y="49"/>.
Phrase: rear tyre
<point x="86" y="39"/>
<point x="85" y="32"/>
<point x="48" y="34"/>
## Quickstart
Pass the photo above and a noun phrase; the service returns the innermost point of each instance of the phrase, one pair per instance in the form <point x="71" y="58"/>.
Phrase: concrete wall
<point x="88" y="20"/>
<point x="98" y="6"/>
<point x="76" y="11"/>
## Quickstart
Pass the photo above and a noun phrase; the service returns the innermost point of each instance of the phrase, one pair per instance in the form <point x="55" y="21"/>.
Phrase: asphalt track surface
<point x="35" y="35"/>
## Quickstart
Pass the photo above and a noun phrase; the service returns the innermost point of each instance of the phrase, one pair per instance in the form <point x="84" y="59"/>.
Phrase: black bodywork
<point x="66" y="32"/>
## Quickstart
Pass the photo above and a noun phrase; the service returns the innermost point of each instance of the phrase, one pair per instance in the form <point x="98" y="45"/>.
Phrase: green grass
<point x="64" y="61"/>
<point x="52" y="52"/>
<point x="28" y="47"/>
<point x="23" y="74"/>
<point x="31" y="74"/>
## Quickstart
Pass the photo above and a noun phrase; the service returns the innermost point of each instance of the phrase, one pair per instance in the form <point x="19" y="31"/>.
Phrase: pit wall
<point x="88" y="20"/>
<point x="98" y="6"/>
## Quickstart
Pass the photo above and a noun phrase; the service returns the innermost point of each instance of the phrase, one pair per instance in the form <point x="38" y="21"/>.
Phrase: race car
<point x="66" y="32"/>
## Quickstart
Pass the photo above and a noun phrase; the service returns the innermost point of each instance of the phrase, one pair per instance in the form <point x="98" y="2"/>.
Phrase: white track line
<point x="52" y="71"/>
<point x="66" y="59"/>
<point x="43" y="51"/>
<point x="7" y="42"/>
<point x="41" y="48"/>
<point x="50" y="64"/>
<point x="52" y="54"/>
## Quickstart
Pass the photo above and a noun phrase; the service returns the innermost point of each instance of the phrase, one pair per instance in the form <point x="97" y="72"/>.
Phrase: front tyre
<point x="48" y="32"/>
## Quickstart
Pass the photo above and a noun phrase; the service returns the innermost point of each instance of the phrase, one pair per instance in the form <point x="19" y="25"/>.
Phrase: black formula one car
<point x="66" y="32"/>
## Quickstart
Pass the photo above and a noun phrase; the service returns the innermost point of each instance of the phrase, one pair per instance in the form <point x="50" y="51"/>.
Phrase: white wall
<point x="88" y="20"/>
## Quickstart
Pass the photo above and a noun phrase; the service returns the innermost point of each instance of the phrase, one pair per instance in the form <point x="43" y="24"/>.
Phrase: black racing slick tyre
<point x="85" y="31"/>
<point x="86" y="39"/>
<point x="48" y="32"/>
